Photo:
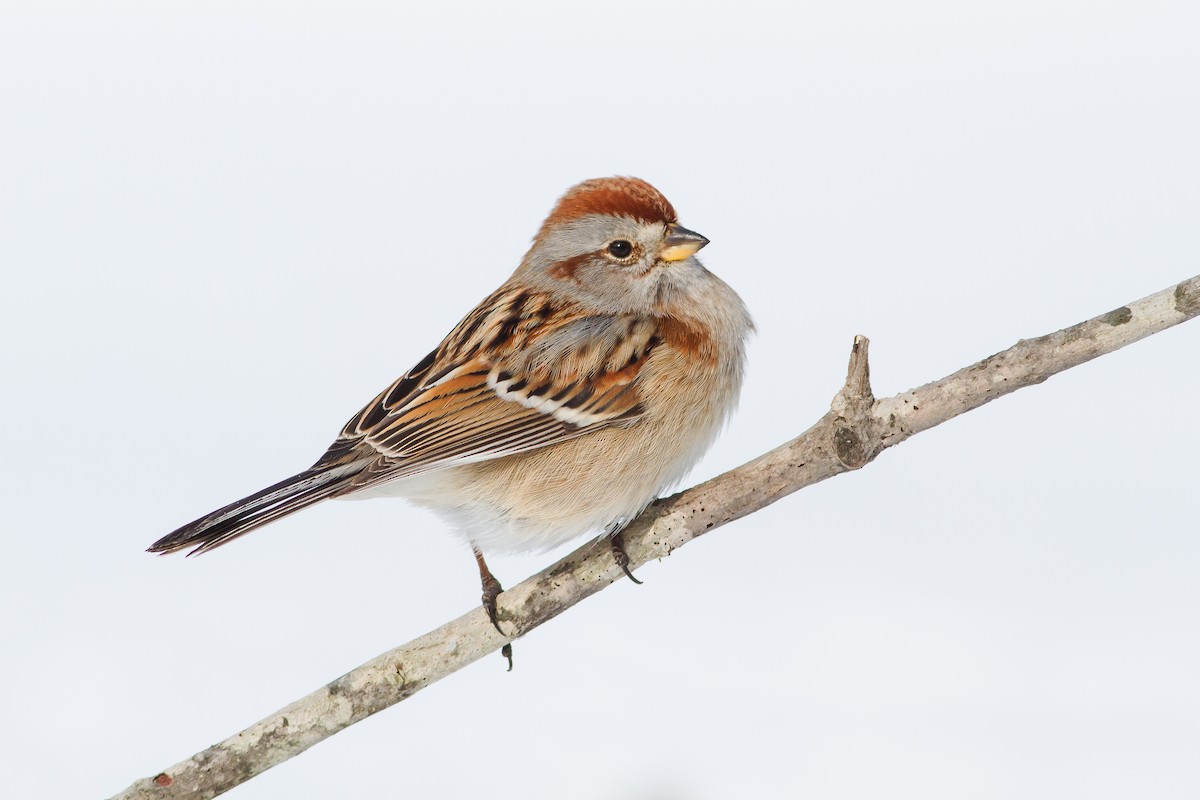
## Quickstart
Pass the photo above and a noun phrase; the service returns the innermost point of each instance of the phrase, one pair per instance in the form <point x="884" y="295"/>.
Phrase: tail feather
<point x="241" y="517"/>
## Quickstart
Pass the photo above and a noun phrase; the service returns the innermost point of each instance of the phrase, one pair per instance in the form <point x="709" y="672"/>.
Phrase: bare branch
<point x="855" y="430"/>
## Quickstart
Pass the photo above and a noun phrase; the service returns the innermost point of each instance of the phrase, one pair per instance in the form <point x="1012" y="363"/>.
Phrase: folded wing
<point x="517" y="379"/>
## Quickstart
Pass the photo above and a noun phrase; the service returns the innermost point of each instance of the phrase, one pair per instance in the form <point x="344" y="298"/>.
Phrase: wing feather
<point x="517" y="374"/>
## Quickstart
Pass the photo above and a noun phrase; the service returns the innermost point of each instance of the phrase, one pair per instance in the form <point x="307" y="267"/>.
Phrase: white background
<point x="225" y="226"/>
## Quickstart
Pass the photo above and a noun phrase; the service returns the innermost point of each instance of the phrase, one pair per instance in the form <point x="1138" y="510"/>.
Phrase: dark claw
<point x="491" y="591"/>
<point x="620" y="556"/>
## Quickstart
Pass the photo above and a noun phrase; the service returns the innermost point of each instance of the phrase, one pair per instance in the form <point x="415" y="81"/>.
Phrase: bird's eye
<point x="620" y="248"/>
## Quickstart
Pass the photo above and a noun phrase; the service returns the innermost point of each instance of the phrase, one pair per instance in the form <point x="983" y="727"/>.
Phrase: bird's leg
<point x="618" y="549"/>
<point x="492" y="590"/>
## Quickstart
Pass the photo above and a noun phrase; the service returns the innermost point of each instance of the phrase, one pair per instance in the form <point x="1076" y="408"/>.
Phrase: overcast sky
<point x="225" y="226"/>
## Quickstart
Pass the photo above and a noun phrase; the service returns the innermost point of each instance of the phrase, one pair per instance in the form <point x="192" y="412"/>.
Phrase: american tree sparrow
<point x="589" y="382"/>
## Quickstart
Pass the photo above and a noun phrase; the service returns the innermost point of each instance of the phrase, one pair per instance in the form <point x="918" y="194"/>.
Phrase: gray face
<point x="613" y="263"/>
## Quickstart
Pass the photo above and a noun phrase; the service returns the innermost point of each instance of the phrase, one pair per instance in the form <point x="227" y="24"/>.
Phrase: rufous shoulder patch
<point x="684" y="337"/>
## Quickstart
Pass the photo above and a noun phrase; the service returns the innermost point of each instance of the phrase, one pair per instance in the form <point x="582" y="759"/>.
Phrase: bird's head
<point x="614" y="244"/>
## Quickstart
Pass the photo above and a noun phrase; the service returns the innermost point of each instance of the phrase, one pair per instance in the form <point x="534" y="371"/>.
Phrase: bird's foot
<point x="620" y="556"/>
<point x="491" y="591"/>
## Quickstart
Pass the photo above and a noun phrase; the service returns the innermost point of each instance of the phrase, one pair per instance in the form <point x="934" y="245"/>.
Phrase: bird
<point x="563" y="404"/>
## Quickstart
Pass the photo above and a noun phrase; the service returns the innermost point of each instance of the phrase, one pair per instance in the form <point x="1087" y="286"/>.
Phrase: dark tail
<point x="287" y="496"/>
